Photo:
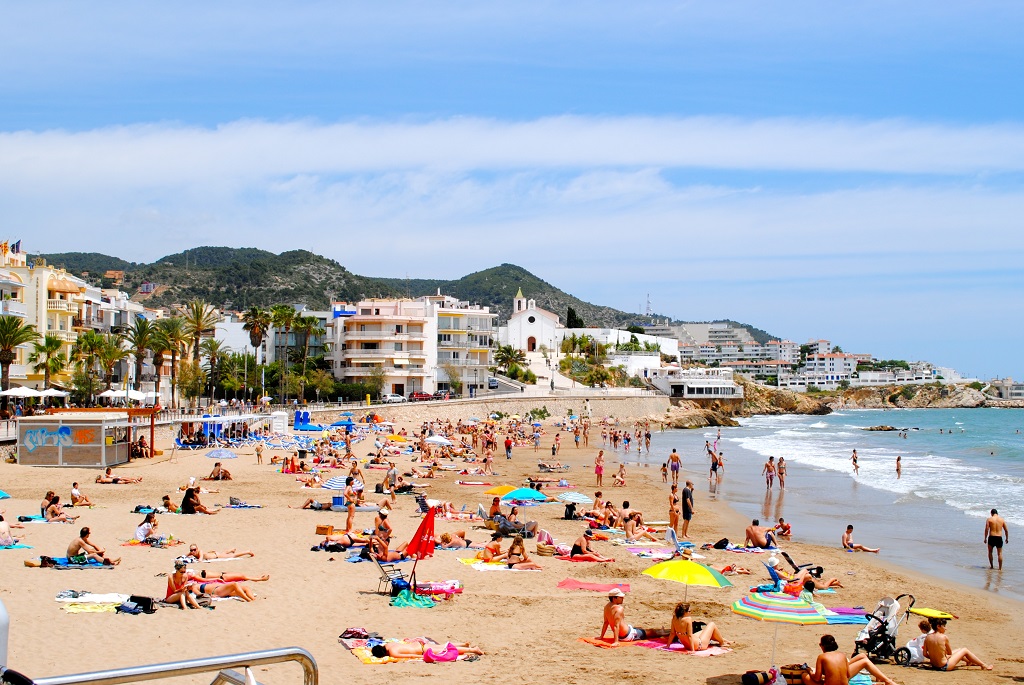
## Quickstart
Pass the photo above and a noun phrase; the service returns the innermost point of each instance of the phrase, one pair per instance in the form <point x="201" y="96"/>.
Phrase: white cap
<point x="616" y="592"/>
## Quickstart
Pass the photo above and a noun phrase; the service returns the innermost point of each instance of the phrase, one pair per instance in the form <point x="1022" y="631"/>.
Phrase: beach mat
<point x="661" y="644"/>
<point x="16" y="546"/>
<point x="573" y="584"/>
<point x="566" y="557"/>
<point x="606" y="643"/>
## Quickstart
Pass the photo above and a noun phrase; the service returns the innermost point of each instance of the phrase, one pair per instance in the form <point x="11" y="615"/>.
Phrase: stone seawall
<point x="417" y="412"/>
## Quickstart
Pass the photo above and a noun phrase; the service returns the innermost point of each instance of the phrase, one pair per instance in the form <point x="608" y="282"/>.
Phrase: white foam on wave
<point x="818" y="424"/>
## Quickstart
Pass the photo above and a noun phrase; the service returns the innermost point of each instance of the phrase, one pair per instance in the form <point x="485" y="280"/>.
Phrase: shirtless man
<point x="769" y="472"/>
<point x="219" y="473"/>
<point x="758" y="536"/>
<point x="81" y="547"/>
<point x="995" y="532"/>
<point x="615" y="620"/>
<point x="674" y="464"/>
<point x="849" y="544"/>
<point x="400" y="650"/>
<point x="833" y="668"/>
<point x="941" y="655"/>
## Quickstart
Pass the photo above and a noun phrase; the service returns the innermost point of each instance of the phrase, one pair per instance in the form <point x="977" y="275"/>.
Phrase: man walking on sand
<point x="995" y="532"/>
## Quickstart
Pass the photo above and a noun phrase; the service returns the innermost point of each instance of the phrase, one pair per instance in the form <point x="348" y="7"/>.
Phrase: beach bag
<point x="235" y="502"/>
<point x="399" y="585"/>
<point x="570" y="512"/>
<point x="145" y="604"/>
<point x="756" y="678"/>
<point x="449" y="653"/>
<point x="545" y="550"/>
<point x="721" y="544"/>
<point x="792" y="673"/>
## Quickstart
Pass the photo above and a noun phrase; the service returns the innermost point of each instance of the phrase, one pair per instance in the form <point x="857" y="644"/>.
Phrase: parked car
<point x="418" y="396"/>
<point x="392" y="399"/>
<point x="442" y="395"/>
<point x="492" y="383"/>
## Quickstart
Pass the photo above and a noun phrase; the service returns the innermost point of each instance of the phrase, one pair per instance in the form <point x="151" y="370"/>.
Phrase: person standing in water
<point x="899" y="467"/>
<point x="769" y="473"/>
<point x="856" y="469"/>
<point x="995" y="531"/>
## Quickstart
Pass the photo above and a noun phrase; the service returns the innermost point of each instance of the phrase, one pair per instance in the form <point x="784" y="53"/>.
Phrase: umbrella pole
<point x="775" y="641"/>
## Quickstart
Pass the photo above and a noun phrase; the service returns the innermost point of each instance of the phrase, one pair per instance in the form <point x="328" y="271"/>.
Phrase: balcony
<point x="66" y="336"/>
<point x="19" y="371"/>
<point x="383" y="335"/>
<point x="92" y="322"/>
<point x="384" y="353"/>
<point x="61" y="306"/>
<point x="13" y="308"/>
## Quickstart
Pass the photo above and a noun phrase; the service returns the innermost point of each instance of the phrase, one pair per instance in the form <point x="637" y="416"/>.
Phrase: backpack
<point x="722" y="544"/>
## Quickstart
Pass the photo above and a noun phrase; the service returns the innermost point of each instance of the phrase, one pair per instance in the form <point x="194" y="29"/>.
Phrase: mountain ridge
<point x="237" y="278"/>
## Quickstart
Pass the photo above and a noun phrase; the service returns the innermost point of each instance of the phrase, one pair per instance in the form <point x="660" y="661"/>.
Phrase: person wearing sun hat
<point x="615" y="619"/>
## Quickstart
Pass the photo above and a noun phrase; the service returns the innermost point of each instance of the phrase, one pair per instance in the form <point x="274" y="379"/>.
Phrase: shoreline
<point x="310" y="600"/>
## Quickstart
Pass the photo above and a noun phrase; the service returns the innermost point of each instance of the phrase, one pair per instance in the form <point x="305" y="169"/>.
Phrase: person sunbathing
<point x="78" y="498"/>
<point x="456" y="540"/>
<point x="634" y="532"/>
<point x="7" y="538"/>
<point x="170" y="506"/>
<point x="833" y="668"/>
<point x="194" y="551"/>
<point x="345" y="539"/>
<point x="179" y="588"/>
<point x="940" y="653"/>
<point x="405" y="650"/>
<point x="108" y="478"/>
<point x="220" y="576"/>
<point x="581" y="549"/>
<point x="683" y="633"/>
<point x="219" y="473"/>
<point x="315" y="505"/>
<point x="802" y="576"/>
<point x="81" y="550"/>
<point x="190" y="504"/>
<point x="379" y="549"/>
<point x="517" y="558"/>
<point x="492" y="550"/>
<point x="55" y="512"/>
<point x="220" y="589"/>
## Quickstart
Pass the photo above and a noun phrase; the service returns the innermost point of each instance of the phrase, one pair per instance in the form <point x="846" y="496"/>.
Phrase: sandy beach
<point x="528" y="627"/>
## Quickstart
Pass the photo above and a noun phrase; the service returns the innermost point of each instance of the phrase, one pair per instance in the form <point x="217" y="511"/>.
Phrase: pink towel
<point x="573" y="584"/>
<point x="660" y="643"/>
<point x="568" y="558"/>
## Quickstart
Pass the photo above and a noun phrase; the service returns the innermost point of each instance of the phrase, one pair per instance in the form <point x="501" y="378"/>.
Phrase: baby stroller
<point x="878" y="638"/>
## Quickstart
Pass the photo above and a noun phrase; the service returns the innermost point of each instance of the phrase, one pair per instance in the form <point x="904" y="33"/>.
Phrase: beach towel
<point x="64" y="563"/>
<point x="845" y="619"/>
<point x="439" y="587"/>
<point x="407" y="598"/>
<point x="500" y="566"/>
<point x="362" y="651"/>
<point x="646" y="553"/>
<point x="17" y="545"/>
<point x="4" y="495"/>
<point x="750" y="550"/>
<point x="472" y="482"/>
<point x="566" y="557"/>
<point x="661" y="644"/>
<point x="91" y="608"/>
<point x="573" y="584"/>
<point x="243" y="505"/>
<point x="77" y="597"/>
<point x="606" y="643"/>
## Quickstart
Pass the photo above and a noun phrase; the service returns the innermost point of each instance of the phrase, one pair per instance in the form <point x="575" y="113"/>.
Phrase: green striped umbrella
<point x="777" y="607"/>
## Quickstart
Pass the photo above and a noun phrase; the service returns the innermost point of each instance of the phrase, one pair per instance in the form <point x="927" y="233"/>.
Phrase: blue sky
<point x="851" y="172"/>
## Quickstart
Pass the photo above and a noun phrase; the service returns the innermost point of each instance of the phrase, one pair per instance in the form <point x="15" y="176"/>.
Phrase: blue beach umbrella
<point x="346" y="413"/>
<point x="221" y="453"/>
<point x="336" y="483"/>
<point x="342" y="424"/>
<point x="524" y="494"/>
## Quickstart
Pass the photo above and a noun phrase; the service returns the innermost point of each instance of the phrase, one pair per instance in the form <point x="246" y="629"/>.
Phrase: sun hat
<point x="616" y="592"/>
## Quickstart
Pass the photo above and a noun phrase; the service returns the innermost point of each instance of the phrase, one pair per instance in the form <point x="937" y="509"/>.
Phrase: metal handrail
<point x="172" y="669"/>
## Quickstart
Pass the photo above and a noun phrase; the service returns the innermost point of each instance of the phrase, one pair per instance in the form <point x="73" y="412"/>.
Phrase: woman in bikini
<point x="410" y="649"/>
<point x="213" y="577"/>
<point x="179" y="588"/>
<point x="222" y="589"/>
<point x="492" y="550"/>
<point x="683" y="633"/>
<point x="516" y="556"/>
<point x="190" y="504"/>
<point x="581" y="549"/>
<point x="194" y="551"/>
<point x="55" y="512"/>
<point x="673" y="508"/>
<point x="780" y="470"/>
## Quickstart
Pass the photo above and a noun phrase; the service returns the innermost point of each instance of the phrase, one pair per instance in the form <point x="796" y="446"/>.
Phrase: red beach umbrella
<point x="422" y="544"/>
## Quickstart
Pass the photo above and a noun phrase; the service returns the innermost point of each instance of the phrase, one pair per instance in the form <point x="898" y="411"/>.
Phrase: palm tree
<point x="200" y="319"/>
<point x="48" y="357"/>
<point x="173" y="330"/>
<point x="159" y="346"/>
<point x="13" y="333"/>
<point x="215" y="351"/>
<point x="308" y="326"/>
<point x="283" y="316"/>
<point x="86" y="349"/>
<point x="257" y="324"/>
<point x="506" y="356"/>
<point x="110" y="354"/>
<point x="139" y="338"/>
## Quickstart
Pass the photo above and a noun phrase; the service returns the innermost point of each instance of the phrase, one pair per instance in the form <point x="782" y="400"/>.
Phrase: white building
<point x="840" y="364"/>
<point x="529" y="327"/>
<point x="698" y="384"/>
<point x="611" y="337"/>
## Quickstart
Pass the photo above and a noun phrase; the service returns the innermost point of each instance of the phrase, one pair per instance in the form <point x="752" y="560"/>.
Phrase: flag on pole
<point x="16" y="247"/>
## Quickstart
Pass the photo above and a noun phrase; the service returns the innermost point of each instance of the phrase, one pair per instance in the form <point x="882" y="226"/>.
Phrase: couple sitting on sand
<point x="695" y="636"/>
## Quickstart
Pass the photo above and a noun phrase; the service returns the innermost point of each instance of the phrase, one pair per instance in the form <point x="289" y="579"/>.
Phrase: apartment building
<point x="465" y="342"/>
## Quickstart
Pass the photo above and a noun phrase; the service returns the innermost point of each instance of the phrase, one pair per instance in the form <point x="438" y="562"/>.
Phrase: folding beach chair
<point x="389" y="573"/>
<point x="672" y="539"/>
<point x="796" y="567"/>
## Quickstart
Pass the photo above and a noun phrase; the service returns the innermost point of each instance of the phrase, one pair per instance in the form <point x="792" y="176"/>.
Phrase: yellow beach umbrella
<point x="688" y="573"/>
<point x="500" y="490"/>
<point x="397" y="438"/>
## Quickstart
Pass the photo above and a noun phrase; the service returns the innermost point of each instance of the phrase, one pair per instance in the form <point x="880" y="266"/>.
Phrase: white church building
<point x="530" y="327"/>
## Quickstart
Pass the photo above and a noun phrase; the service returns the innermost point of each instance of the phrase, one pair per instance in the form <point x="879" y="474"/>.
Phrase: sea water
<point x="931" y="519"/>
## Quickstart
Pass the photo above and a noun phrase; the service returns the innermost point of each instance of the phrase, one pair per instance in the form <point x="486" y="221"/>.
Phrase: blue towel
<point x="17" y="546"/>
<point x="844" y="620"/>
<point x="4" y="495"/>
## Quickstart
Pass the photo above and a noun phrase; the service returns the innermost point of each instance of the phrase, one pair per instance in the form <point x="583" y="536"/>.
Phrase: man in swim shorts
<point x="615" y="619"/>
<point x="995" y="531"/>
<point x="674" y="462"/>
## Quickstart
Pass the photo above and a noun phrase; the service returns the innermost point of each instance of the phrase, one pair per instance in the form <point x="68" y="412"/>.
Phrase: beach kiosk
<point x="81" y="437"/>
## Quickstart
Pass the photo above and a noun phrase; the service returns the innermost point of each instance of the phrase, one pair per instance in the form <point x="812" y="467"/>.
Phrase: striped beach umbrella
<point x="777" y="607"/>
<point x="575" y="498"/>
<point x="336" y="483"/>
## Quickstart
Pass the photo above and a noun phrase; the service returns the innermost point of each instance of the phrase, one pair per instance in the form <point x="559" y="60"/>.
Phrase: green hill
<point x="237" y="278"/>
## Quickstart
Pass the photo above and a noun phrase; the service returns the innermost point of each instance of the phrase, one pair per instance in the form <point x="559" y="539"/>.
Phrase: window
<point x="398" y="347"/>
<point x="376" y="312"/>
<point x="398" y="329"/>
<point x="532" y="319"/>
